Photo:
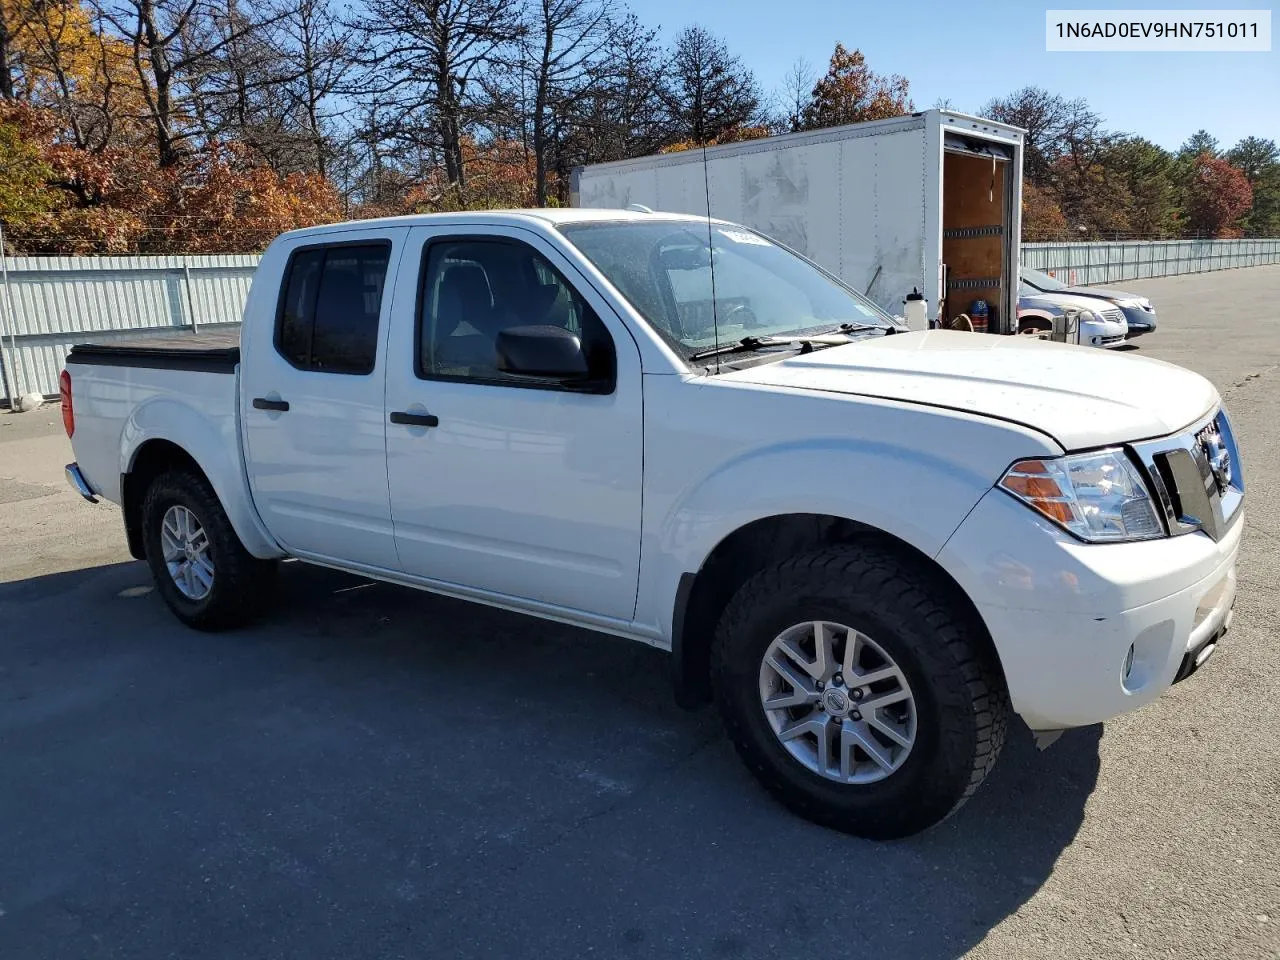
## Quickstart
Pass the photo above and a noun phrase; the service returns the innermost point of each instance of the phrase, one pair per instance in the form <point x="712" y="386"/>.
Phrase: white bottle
<point x="915" y="308"/>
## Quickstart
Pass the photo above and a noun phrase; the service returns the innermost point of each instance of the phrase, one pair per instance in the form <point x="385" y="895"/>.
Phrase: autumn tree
<point x="14" y="18"/>
<point x="1042" y="218"/>
<point x="620" y="113"/>
<point x="709" y="90"/>
<point x="25" y="196"/>
<point x="1054" y="126"/>
<point x="797" y="90"/>
<point x="851" y="93"/>
<point x="424" y="60"/>
<point x="567" y="40"/>
<point x="1218" y="196"/>
<point x="58" y="58"/>
<point x="1259" y="161"/>
<point x="177" y="45"/>
<point x="319" y="52"/>
<point x="500" y="174"/>
<point x="230" y="202"/>
<point x="1070" y="157"/>
<point x="235" y="89"/>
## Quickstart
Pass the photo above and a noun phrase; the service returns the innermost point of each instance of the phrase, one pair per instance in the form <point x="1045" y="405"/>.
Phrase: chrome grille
<point x="1115" y="316"/>
<point x="1196" y="476"/>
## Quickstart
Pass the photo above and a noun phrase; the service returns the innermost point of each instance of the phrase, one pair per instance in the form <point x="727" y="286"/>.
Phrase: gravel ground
<point x="374" y="772"/>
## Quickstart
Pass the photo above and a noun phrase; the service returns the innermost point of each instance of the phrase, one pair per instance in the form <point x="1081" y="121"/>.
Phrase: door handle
<point x="415" y="419"/>
<point x="262" y="403"/>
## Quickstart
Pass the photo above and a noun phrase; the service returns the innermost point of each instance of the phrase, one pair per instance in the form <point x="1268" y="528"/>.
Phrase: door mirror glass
<point x="541" y="350"/>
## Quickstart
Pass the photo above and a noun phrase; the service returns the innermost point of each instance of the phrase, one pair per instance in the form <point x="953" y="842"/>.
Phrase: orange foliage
<point x="220" y="199"/>
<point x="735" y="134"/>
<point x="1042" y="218"/>
<point x="500" y="175"/>
<point x="114" y="200"/>
<point x="851" y="93"/>
<point x="1218" y="196"/>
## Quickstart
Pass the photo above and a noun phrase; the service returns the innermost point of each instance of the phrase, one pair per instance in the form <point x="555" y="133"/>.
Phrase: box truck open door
<point x="977" y="220"/>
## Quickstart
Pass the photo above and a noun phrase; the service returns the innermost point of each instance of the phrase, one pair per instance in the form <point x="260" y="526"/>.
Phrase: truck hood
<point x="1080" y="396"/>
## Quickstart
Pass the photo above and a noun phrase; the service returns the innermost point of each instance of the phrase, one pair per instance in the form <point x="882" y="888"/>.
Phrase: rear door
<point x="515" y="487"/>
<point x="313" y="400"/>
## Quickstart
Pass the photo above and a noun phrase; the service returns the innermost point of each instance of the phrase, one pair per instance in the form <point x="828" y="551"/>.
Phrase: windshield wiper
<point x="833" y="339"/>
<point x="759" y="343"/>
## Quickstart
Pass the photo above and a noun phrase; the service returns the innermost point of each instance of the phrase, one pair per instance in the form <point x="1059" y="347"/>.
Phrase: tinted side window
<point x="474" y="289"/>
<point x="293" y="330"/>
<point x="329" y="313"/>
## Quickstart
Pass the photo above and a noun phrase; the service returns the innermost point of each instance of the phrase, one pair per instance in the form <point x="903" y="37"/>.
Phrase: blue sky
<point x="970" y="52"/>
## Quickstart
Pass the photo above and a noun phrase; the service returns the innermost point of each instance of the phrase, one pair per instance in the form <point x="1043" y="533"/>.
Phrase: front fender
<point x="213" y="441"/>
<point x="912" y="494"/>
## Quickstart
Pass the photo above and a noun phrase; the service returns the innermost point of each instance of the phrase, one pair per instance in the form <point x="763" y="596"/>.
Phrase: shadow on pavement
<point x="374" y="772"/>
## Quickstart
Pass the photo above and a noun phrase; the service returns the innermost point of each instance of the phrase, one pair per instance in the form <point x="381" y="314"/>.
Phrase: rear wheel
<point x="201" y="568"/>
<point x="855" y="695"/>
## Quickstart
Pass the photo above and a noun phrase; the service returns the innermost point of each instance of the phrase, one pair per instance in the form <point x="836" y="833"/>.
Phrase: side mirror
<point x="541" y="351"/>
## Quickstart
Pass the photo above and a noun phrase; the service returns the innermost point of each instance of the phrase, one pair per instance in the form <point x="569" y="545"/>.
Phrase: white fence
<point x="49" y="303"/>
<point x="1085" y="263"/>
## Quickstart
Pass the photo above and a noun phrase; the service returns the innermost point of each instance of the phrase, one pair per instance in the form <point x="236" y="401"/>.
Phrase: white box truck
<point x="930" y="201"/>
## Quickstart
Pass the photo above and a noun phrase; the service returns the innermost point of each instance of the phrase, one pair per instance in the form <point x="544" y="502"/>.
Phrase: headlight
<point x="1099" y="497"/>
<point x="1088" y="316"/>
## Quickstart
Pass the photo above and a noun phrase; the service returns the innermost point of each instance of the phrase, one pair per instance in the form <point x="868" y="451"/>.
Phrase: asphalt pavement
<point x="375" y="772"/>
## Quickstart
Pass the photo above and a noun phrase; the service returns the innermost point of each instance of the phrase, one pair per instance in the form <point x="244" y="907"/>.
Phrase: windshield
<point x="663" y="268"/>
<point x="1041" y="280"/>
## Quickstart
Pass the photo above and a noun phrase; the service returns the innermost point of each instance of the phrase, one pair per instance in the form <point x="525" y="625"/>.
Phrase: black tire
<point x="241" y="584"/>
<point x="961" y="702"/>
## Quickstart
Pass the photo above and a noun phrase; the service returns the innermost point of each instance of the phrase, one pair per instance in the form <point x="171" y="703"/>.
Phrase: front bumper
<point x="1102" y="333"/>
<point x="1140" y="321"/>
<point x="1086" y="632"/>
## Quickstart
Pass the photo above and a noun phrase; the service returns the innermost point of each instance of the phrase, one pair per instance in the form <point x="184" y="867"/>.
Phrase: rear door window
<point x="330" y="305"/>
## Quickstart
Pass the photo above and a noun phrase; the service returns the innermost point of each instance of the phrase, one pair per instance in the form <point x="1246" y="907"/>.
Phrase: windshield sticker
<point x="742" y="236"/>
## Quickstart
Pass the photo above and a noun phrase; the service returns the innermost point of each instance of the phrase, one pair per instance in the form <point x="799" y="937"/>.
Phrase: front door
<point x="518" y="487"/>
<point x="315" y="424"/>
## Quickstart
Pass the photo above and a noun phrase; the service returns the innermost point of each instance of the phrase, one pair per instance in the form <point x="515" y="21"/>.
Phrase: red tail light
<point x="68" y="412"/>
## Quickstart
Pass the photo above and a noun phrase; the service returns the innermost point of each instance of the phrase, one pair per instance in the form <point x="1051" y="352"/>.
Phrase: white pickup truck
<point x="867" y="546"/>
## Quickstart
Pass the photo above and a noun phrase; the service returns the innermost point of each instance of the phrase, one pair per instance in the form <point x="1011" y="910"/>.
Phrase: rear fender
<point x="214" y="444"/>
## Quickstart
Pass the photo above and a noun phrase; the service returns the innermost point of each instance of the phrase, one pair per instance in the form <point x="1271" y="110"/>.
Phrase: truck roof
<point x="548" y="215"/>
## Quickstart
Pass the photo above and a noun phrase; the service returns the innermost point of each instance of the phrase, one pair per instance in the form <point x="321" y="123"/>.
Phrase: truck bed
<point x="206" y="353"/>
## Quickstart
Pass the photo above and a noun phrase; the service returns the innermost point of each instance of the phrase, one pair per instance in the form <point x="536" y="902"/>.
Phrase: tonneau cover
<point x="206" y="352"/>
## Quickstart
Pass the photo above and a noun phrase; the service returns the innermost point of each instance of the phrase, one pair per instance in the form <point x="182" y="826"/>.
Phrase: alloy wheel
<point x="837" y="702"/>
<point x="186" y="553"/>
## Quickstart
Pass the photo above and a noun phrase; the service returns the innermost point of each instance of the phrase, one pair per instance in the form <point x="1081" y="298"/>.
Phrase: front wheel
<point x="201" y="569"/>
<point x="855" y="695"/>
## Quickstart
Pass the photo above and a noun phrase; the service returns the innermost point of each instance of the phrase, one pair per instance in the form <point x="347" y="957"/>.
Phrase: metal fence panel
<point x="50" y="303"/>
<point x="1114" y="261"/>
